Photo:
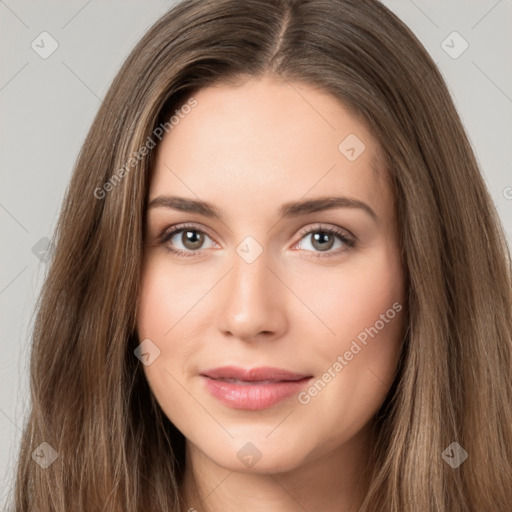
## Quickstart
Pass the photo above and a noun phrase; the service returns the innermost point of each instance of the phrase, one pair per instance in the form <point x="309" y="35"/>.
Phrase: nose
<point x="253" y="301"/>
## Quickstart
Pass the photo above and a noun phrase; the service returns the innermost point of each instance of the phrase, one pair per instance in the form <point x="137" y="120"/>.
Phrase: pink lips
<point x="255" y="388"/>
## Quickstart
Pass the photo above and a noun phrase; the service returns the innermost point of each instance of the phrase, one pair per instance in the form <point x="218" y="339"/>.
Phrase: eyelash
<point x="350" y="242"/>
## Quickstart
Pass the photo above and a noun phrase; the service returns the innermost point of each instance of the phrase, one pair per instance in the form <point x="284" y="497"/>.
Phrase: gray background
<point x="48" y="105"/>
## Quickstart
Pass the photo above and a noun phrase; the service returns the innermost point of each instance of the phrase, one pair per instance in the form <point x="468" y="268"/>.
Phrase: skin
<point x="247" y="150"/>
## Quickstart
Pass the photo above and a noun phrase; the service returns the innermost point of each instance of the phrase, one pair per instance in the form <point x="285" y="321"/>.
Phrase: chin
<point x="258" y="456"/>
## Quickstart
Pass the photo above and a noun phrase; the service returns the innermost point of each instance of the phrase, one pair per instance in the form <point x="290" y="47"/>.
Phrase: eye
<point x="323" y="239"/>
<point x="191" y="239"/>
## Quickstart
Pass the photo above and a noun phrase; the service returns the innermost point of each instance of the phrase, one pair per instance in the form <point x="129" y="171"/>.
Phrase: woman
<point x="196" y="350"/>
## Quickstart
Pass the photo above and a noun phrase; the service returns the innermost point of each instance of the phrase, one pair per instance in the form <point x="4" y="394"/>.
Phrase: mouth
<point x="254" y="382"/>
<point x="252" y="389"/>
<point x="263" y="374"/>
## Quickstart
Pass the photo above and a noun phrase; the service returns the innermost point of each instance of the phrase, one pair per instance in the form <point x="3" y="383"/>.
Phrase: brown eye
<point x="192" y="239"/>
<point x="185" y="240"/>
<point x="323" y="239"/>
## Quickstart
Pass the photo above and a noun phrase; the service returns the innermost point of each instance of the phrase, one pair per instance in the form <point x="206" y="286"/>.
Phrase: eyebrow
<point x="287" y="210"/>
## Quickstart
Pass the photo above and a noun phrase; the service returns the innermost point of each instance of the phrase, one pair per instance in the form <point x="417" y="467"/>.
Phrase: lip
<point x="254" y="388"/>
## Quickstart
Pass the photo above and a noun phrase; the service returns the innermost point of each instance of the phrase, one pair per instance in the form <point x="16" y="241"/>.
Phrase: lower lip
<point x="253" y="396"/>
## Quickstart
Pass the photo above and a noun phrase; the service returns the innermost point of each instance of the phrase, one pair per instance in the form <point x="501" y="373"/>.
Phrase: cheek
<point x="366" y="312"/>
<point x="162" y="307"/>
<point x="355" y="296"/>
<point x="157" y="294"/>
<point x="170" y="297"/>
<point x="166" y="296"/>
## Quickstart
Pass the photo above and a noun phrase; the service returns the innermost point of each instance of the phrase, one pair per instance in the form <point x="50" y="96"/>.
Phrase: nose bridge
<point x="250" y="276"/>
<point x="251" y="304"/>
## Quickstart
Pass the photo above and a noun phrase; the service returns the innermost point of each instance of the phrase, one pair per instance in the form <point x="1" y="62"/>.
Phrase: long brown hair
<point x="116" y="450"/>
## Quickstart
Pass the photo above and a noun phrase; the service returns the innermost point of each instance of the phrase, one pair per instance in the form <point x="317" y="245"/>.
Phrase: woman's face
<point x="263" y="284"/>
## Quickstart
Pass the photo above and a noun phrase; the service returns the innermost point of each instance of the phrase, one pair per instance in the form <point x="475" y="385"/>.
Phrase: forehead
<point x="267" y="138"/>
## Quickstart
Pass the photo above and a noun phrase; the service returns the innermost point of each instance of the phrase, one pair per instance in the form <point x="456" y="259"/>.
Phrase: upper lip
<point x="263" y="373"/>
